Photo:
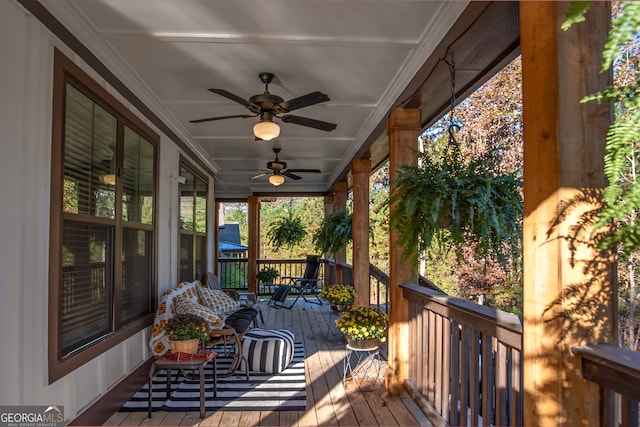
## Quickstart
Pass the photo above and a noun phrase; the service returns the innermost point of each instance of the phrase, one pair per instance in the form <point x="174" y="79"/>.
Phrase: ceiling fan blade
<point x="305" y="170"/>
<point x="259" y="175"/>
<point x="312" y="123"/>
<point x="250" y="105"/>
<point x="210" y="119"/>
<point x="290" y="175"/>
<point x="303" y="101"/>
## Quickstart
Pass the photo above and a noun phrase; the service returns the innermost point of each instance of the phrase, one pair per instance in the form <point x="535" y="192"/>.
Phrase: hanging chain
<point x="453" y="126"/>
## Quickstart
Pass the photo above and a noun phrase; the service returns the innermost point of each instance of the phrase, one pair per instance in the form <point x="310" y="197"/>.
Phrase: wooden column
<point x="341" y="195"/>
<point x="216" y="236"/>
<point x="254" y="242"/>
<point x="569" y="295"/>
<point x="360" y="169"/>
<point x="403" y="129"/>
<point x="328" y="209"/>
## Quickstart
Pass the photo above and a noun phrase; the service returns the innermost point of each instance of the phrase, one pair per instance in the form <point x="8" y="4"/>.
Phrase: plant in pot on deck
<point x="185" y="332"/>
<point x="340" y="297"/>
<point x="267" y="275"/>
<point x="364" y="327"/>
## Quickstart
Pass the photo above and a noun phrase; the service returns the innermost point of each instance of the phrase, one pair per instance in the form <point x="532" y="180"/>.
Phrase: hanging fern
<point x="442" y="201"/>
<point x="286" y="232"/>
<point x="334" y="233"/>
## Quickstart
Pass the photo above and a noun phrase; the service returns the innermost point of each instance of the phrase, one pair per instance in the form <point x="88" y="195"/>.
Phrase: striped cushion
<point x="268" y="351"/>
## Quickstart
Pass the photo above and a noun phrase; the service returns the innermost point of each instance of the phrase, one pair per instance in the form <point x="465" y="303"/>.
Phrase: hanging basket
<point x="184" y="346"/>
<point x="370" y="344"/>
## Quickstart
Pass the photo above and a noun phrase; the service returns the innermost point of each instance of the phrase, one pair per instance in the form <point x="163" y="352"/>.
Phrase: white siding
<point x="26" y="76"/>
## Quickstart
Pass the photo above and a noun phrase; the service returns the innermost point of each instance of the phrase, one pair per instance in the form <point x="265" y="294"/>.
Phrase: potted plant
<point x="267" y="275"/>
<point x="185" y="332"/>
<point x="334" y="233"/>
<point x="340" y="297"/>
<point x="446" y="201"/>
<point x="364" y="327"/>
<point x="286" y="232"/>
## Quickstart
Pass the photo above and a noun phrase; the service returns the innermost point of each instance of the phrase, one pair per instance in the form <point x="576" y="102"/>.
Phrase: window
<point x="102" y="266"/>
<point x="193" y="226"/>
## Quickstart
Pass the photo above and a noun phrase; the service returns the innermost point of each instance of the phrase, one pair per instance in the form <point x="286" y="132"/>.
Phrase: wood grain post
<point x="569" y="294"/>
<point x="329" y="207"/>
<point x="341" y="194"/>
<point x="403" y="129"/>
<point x="254" y="243"/>
<point x="360" y="169"/>
<point x="216" y="236"/>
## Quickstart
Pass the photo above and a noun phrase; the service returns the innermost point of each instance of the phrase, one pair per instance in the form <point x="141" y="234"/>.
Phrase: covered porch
<point x="542" y="372"/>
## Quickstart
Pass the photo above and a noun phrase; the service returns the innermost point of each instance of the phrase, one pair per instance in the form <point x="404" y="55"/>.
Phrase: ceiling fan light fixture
<point x="266" y="130"/>
<point x="276" y="180"/>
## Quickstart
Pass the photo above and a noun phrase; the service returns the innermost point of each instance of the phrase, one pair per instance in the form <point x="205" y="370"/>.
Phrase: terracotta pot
<point x="370" y="344"/>
<point x="184" y="346"/>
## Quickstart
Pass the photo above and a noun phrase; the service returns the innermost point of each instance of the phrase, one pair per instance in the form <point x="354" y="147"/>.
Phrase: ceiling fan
<point x="278" y="170"/>
<point x="270" y="107"/>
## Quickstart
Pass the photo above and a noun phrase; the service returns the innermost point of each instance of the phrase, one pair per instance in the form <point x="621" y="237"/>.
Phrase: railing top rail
<point x="613" y="367"/>
<point x="504" y="326"/>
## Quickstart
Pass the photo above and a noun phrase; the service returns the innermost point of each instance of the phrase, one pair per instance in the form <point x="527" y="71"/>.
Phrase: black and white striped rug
<point x="285" y="391"/>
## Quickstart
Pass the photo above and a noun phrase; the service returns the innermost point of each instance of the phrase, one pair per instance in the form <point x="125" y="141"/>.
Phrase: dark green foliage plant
<point x="445" y="201"/>
<point x="334" y="233"/>
<point x="267" y="274"/>
<point x="622" y="194"/>
<point x="286" y="232"/>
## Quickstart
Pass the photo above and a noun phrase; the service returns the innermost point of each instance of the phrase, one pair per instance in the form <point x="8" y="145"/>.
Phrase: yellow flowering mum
<point x="362" y="323"/>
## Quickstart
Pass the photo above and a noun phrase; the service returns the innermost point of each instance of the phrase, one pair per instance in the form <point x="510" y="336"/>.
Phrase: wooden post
<point x="328" y="209"/>
<point x="216" y="236"/>
<point x="341" y="194"/>
<point x="360" y="169"/>
<point x="254" y="242"/>
<point x="403" y="129"/>
<point x="569" y="295"/>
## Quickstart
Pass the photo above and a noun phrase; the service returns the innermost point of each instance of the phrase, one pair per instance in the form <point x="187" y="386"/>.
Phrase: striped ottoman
<point x="268" y="350"/>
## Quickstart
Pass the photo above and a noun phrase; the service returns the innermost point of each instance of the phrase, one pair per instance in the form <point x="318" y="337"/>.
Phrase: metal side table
<point x="361" y="365"/>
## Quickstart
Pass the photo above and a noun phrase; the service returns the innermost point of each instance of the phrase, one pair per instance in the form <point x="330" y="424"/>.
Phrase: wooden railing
<point x="233" y="272"/>
<point x="468" y="369"/>
<point x="617" y="371"/>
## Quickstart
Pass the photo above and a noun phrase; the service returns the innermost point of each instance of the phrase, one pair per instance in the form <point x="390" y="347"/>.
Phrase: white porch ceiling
<point x="362" y="54"/>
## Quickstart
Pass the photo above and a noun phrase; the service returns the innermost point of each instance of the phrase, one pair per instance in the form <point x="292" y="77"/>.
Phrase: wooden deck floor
<point x="328" y="402"/>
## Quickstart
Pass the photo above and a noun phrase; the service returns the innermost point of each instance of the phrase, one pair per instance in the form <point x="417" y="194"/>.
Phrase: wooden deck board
<point x="328" y="403"/>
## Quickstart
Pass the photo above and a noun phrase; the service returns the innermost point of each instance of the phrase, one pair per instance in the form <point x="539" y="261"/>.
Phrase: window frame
<point x="65" y="71"/>
<point x="184" y="163"/>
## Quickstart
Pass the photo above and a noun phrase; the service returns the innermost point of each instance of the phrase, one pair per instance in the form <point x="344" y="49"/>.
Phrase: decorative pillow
<point x="217" y="301"/>
<point x="159" y="341"/>
<point x="185" y="306"/>
<point x="266" y="350"/>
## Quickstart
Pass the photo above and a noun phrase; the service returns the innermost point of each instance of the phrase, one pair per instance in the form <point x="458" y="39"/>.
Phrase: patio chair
<point x="308" y="284"/>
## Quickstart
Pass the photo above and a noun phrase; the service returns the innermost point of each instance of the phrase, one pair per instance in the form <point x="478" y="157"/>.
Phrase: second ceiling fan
<point x="269" y="107"/>
<point x="277" y="170"/>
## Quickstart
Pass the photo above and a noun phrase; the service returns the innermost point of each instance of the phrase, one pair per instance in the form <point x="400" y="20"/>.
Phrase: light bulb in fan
<point x="266" y="130"/>
<point x="276" y="180"/>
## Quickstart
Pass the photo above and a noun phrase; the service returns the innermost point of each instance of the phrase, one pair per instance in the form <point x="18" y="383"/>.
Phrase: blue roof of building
<point x="231" y="247"/>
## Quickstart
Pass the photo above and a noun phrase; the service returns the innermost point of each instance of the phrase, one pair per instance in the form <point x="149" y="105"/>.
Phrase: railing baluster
<point x="472" y="353"/>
